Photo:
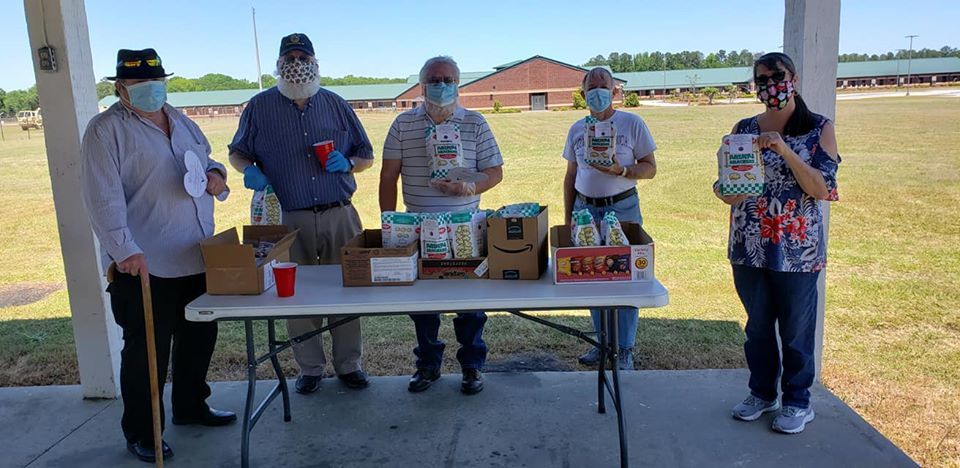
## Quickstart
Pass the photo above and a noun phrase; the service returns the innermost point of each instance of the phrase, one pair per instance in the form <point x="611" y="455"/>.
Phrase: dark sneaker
<point x="472" y="381"/>
<point x="423" y="379"/>
<point x="590" y="358"/>
<point x="752" y="408"/>
<point x="355" y="380"/>
<point x="625" y="359"/>
<point x="792" y="420"/>
<point x="307" y="384"/>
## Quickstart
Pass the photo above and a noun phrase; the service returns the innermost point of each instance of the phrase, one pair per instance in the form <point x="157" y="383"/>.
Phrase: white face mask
<point x="298" y="79"/>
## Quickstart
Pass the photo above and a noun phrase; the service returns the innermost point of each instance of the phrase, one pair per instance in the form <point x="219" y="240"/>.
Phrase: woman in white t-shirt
<point x="608" y="188"/>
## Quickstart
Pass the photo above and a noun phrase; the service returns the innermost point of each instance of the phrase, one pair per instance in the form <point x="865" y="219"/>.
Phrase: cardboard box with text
<point x="232" y="266"/>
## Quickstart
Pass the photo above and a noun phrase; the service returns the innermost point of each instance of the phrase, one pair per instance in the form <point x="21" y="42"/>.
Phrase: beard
<point x="297" y="91"/>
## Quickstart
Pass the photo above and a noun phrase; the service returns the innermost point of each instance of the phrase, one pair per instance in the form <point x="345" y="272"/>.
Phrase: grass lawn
<point x="892" y="347"/>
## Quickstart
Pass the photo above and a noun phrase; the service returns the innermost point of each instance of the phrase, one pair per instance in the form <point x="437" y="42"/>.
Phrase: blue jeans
<point x="468" y="326"/>
<point x="788" y="301"/>
<point x="627" y="210"/>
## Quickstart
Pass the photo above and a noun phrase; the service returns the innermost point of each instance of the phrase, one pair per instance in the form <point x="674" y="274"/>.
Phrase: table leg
<point x="617" y="401"/>
<point x="251" y="394"/>
<point x="281" y="379"/>
<point x="601" y="371"/>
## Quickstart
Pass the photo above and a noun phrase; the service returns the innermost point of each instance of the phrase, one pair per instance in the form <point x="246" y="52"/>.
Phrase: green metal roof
<point x="508" y="64"/>
<point x="890" y="67"/>
<point x="372" y="92"/>
<point x="465" y="77"/>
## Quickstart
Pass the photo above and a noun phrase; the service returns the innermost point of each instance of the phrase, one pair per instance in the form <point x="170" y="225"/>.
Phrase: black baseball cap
<point x="296" y="41"/>
<point x="138" y="65"/>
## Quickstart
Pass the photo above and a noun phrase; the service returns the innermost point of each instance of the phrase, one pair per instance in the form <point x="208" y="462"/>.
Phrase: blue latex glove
<point x="254" y="179"/>
<point x="337" y="162"/>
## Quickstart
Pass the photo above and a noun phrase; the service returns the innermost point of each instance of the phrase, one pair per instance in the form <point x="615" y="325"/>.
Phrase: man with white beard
<point x="274" y="146"/>
<point x="409" y="145"/>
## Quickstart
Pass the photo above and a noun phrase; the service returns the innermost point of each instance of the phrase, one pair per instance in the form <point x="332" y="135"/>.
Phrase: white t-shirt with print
<point x="633" y="143"/>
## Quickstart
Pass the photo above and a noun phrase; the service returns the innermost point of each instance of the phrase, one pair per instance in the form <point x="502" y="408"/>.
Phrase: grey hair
<point x="439" y="59"/>
<point x="597" y="71"/>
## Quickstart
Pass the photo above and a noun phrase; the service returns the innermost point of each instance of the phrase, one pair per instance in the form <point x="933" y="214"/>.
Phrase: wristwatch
<point x="623" y="173"/>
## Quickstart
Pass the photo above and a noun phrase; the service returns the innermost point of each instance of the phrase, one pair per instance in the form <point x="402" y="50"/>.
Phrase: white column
<point x="811" y="37"/>
<point x="68" y="100"/>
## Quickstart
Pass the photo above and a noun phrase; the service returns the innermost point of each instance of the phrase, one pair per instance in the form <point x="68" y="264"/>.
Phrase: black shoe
<point x="212" y="418"/>
<point x="472" y="381"/>
<point x="307" y="384"/>
<point x="422" y="379"/>
<point x="355" y="380"/>
<point x="146" y="452"/>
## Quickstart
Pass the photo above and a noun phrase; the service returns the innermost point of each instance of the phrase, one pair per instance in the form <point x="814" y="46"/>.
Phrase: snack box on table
<point x="454" y="268"/>
<point x="232" y="266"/>
<point x="632" y="262"/>
<point x="517" y="247"/>
<point x="365" y="263"/>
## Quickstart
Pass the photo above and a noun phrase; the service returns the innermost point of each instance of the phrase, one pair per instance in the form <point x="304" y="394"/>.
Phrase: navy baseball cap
<point x="296" y="41"/>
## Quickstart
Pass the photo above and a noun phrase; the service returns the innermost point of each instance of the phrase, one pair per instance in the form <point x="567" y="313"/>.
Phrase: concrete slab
<point x="674" y="418"/>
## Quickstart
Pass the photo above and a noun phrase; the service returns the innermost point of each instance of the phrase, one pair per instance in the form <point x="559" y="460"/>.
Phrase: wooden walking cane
<point x="152" y="365"/>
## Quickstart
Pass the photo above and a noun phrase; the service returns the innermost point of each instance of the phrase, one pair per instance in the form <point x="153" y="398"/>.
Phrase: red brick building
<point x="537" y="83"/>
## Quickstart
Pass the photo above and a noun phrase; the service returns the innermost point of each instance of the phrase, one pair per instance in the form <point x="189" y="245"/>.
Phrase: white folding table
<point x="319" y="293"/>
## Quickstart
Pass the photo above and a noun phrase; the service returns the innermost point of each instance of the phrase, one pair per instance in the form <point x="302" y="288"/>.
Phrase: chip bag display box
<point x="594" y="264"/>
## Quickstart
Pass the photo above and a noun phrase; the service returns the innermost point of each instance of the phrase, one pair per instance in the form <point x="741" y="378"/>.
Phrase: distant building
<point x="541" y="83"/>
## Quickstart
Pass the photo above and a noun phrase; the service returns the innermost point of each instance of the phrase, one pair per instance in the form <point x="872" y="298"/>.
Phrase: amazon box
<point x="365" y="262"/>
<point x="245" y="268"/>
<point x="517" y="247"/>
<point x="598" y="264"/>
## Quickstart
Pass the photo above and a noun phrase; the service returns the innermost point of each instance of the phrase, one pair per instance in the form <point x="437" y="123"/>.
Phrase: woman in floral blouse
<point x="778" y="245"/>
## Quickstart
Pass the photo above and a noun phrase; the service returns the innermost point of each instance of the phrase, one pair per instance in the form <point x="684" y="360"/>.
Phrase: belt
<point x="326" y="206"/>
<point x="606" y="201"/>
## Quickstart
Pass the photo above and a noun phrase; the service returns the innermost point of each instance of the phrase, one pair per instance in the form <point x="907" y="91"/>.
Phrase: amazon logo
<point x="526" y="248"/>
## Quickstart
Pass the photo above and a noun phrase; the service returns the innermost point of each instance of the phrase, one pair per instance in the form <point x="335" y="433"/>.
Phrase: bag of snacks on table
<point x="584" y="231"/>
<point x="434" y="235"/>
<point x="265" y="208"/>
<point x="464" y="234"/>
<point x="399" y="229"/>
<point x="611" y="231"/>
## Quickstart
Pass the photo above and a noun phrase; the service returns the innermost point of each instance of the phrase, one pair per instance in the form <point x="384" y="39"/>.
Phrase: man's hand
<point x="215" y="183"/>
<point x="337" y="162"/>
<point x="254" y="179"/>
<point x="134" y="265"/>
<point x="614" y="170"/>
<point x="456" y="189"/>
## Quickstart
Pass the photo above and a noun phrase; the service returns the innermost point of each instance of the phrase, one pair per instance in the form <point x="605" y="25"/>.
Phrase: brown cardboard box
<point x="517" y="247"/>
<point x="231" y="265"/>
<point x="454" y="268"/>
<point x="365" y="263"/>
<point x="632" y="262"/>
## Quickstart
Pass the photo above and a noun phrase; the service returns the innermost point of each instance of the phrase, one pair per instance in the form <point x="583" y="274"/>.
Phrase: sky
<point x="392" y="39"/>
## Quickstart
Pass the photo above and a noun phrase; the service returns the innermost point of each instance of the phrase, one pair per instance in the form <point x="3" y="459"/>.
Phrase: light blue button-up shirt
<point x="132" y="180"/>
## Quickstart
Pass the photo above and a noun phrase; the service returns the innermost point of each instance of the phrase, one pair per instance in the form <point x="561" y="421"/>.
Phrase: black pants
<point x="193" y="344"/>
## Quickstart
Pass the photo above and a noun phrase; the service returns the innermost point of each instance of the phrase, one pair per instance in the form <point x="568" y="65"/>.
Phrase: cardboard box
<point x="365" y="263"/>
<point x="517" y="247"/>
<point x="232" y="268"/>
<point x="606" y="263"/>
<point x="454" y="268"/>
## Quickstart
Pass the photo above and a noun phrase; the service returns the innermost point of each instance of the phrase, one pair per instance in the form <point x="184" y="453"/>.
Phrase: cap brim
<point x="297" y="47"/>
<point x="114" y="78"/>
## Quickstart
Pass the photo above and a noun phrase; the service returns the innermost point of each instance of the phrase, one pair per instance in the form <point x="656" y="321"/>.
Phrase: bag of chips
<point x="611" y="231"/>
<point x="444" y="150"/>
<point x="265" y="207"/>
<point x="463" y="235"/>
<point x="399" y="229"/>
<point x="599" y="142"/>
<point x="434" y="236"/>
<point x="584" y="230"/>
<point x="519" y="210"/>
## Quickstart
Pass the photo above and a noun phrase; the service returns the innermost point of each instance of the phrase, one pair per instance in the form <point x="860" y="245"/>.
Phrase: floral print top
<point x="782" y="230"/>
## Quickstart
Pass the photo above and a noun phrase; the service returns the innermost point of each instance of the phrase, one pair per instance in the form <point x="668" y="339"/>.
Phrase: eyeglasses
<point x="153" y="62"/>
<point x="444" y="80"/>
<point x="776" y="77"/>
<point x="290" y="59"/>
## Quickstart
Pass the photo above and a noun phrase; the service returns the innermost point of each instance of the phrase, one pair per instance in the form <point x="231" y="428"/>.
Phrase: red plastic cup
<point x="286" y="277"/>
<point x="322" y="150"/>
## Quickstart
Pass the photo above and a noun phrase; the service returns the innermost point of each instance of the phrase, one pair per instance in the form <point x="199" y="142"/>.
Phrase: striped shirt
<point x="279" y="137"/>
<point x="132" y="184"/>
<point x="407" y="141"/>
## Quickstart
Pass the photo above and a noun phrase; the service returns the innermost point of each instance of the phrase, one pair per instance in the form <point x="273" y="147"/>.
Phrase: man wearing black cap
<point x="273" y="146"/>
<point x="149" y="183"/>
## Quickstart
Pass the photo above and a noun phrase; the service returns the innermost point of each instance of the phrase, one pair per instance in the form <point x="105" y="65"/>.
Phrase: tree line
<point x="621" y="62"/>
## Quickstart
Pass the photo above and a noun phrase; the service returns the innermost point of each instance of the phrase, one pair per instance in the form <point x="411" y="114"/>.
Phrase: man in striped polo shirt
<point x="273" y="146"/>
<point x="406" y="155"/>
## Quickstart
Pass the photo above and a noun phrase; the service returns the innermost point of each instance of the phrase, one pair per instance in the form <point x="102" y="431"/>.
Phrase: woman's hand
<point x="773" y="141"/>
<point x="730" y="200"/>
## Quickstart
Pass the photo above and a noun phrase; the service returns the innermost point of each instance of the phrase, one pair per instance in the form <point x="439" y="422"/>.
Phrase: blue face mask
<point x="599" y="99"/>
<point x="148" y="96"/>
<point x="441" y="94"/>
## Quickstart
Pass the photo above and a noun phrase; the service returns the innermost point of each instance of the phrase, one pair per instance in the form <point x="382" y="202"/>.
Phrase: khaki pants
<point x="319" y="241"/>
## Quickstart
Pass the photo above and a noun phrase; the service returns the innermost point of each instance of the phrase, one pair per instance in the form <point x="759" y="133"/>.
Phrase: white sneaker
<point x="792" y="420"/>
<point x="752" y="408"/>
